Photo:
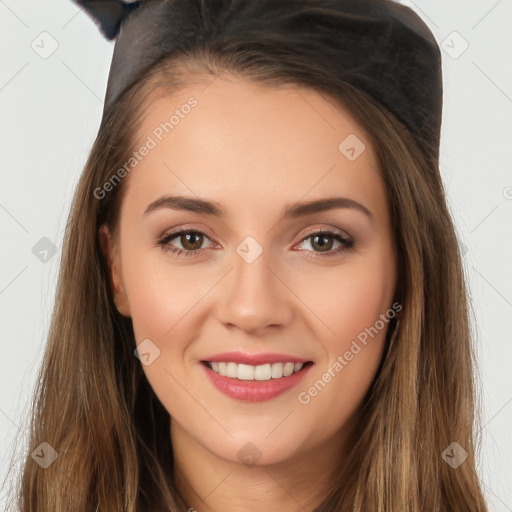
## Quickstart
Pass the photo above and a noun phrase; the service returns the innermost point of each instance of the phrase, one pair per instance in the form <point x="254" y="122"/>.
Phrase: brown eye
<point x="184" y="242"/>
<point x="322" y="242"/>
<point x="191" y="240"/>
<point x="325" y="243"/>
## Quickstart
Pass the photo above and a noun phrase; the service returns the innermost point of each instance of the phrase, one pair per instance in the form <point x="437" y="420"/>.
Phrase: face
<point x="256" y="262"/>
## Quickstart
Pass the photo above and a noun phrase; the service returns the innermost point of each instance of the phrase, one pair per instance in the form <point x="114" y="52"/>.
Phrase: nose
<point x="254" y="296"/>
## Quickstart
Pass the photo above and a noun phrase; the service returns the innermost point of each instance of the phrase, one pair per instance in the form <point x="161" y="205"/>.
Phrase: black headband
<point x="385" y="48"/>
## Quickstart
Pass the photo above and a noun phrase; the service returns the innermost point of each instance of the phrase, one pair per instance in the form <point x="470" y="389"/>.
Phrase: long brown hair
<point x="93" y="404"/>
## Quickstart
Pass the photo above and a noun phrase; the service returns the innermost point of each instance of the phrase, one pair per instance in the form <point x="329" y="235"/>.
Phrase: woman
<point x="261" y="304"/>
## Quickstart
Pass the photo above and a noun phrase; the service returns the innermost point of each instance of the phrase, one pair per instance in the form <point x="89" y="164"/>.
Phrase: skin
<point x="255" y="151"/>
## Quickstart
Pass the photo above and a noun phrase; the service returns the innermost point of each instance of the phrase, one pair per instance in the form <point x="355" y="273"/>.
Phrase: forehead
<point x="230" y="136"/>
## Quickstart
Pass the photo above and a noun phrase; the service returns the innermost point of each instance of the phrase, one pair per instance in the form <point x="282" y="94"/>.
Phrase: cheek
<point x="162" y="293"/>
<point x="355" y="306"/>
<point x="159" y="303"/>
<point x="165" y="307"/>
<point x="349" y="299"/>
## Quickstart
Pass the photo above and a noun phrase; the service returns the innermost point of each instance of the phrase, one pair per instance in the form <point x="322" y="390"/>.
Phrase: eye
<point x="190" y="241"/>
<point x="323" y="240"/>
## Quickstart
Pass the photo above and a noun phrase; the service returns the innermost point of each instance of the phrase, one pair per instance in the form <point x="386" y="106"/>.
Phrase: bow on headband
<point x="108" y="14"/>
<point x="379" y="46"/>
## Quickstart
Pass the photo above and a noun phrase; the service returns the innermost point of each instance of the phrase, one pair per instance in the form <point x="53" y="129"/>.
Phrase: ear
<point x="116" y="280"/>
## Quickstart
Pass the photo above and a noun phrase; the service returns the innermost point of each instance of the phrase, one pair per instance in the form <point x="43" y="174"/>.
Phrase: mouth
<point x="254" y="383"/>
<point x="263" y="372"/>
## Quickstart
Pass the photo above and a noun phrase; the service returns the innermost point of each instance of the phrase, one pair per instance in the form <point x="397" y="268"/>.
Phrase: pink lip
<point x="253" y="359"/>
<point x="254" y="390"/>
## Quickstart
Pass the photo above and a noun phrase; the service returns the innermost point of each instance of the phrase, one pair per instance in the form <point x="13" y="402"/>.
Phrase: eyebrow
<point x="197" y="205"/>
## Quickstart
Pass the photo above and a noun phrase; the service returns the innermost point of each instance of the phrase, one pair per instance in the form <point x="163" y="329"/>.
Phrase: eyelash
<point x="347" y="243"/>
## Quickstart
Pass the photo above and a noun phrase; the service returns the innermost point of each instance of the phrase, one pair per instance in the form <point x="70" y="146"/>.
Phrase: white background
<point x="50" y="113"/>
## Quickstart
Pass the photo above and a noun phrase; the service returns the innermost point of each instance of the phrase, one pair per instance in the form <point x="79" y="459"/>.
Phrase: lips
<point x="254" y="390"/>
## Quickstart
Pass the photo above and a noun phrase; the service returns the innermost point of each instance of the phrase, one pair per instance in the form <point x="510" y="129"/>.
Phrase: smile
<point x="249" y="372"/>
<point x="254" y="383"/>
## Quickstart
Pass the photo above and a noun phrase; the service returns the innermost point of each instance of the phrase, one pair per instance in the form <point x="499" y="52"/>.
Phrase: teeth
<point x="262" y="372"/>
